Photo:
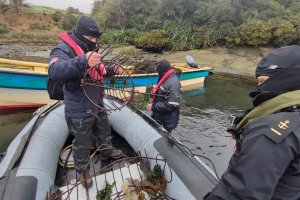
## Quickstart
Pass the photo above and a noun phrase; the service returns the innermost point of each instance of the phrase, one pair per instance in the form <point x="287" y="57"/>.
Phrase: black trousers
<point x="88" y="131"/>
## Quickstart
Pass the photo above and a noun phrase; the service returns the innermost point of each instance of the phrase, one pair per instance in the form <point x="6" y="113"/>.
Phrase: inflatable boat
<point x="30" y="169"/>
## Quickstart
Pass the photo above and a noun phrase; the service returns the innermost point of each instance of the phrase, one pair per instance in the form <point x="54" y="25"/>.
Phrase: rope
<point x="66" y="163"/>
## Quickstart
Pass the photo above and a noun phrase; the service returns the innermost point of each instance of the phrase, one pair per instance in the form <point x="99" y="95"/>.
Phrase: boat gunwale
<point x="40" y="73"/>
<point x="21" y="71"/>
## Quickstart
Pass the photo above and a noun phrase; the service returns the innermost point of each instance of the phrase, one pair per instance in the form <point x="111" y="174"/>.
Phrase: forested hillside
<point x="158" y="25"/>
<point x="190" y="24"/>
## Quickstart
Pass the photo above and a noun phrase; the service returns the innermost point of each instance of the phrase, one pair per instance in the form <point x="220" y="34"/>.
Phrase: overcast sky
<point x="83" y="5"/>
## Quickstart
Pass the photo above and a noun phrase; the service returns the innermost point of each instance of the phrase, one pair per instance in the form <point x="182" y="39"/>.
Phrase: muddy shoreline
<point x="241" y="61"/>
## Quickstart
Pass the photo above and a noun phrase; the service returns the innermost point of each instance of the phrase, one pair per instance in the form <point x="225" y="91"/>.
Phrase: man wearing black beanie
<point x="165" y="101"/>
<point x="266" y="163"/>
<point x="69" y="61"/>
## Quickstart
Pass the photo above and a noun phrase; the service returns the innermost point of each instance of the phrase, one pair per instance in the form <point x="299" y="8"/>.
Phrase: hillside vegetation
<point x="162" y="25"/>
<point x="195" y="24"/>
<point x="36" y="25"/>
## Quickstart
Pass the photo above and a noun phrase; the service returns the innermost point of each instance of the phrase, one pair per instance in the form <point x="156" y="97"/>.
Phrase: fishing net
<point x="115" y="85"/>
<point x="128" y="178"/>
<point x="120" y="81"/>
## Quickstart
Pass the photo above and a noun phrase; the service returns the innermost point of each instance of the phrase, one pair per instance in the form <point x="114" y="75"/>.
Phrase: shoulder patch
<point x="283" y="124"/>
<point x="53" y="60"/>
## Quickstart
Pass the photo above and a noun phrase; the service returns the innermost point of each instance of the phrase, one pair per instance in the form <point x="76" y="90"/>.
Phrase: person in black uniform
<point x="86" y="122"/>
<point x="165" y="101"/>
<point x="266" y="163"/>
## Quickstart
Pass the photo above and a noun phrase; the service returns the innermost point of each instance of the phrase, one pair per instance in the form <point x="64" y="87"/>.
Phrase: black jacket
<point x="266" y="164"/>
<point x="70" y="68"/>
<point x="166" y="106"/>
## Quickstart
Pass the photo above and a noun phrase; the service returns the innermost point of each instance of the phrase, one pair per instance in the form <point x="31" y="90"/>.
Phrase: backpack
<point x="55" y="89"/>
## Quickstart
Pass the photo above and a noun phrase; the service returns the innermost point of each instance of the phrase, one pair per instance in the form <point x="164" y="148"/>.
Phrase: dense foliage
<point x="157" y="25"/>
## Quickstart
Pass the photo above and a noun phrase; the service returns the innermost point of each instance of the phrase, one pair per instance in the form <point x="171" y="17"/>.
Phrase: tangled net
<point x="126" y="178"/>
<point x="108" y="80"/>
<point x="117" y="89"/>
<point x="114" y="82"/>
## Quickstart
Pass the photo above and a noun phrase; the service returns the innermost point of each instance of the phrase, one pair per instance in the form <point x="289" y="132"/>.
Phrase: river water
<point x="203" y="119"/>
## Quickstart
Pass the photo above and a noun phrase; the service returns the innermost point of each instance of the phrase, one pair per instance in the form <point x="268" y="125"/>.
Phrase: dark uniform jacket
<point x="267" y="164"/>
<point x="70" y="68"/>
<point x="166" y="105"/>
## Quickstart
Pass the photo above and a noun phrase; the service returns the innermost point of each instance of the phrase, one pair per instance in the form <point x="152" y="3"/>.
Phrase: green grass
<point x="39" y="9"/>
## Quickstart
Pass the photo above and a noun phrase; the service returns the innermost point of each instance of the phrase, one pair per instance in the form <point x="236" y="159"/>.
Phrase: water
<point x="11" y="122"/>
<point x="203" y="120"/>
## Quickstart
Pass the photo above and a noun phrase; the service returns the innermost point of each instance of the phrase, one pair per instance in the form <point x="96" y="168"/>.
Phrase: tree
<point x="214" y="12"/>
<point x="255" y="33"/>
<point x="17" y="4"/>
<point x="6" y="4"/>
<point x="283" y="32"/>
<point x="180" y="33"/>
<point x="118" y="13"/>
<point x="154" y="41"/>
<point x="177" y="9"/>
<point x="225" y="34"/>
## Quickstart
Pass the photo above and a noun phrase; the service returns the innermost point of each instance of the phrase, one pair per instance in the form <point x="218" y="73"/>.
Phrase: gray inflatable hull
<point x="28" y="169"/>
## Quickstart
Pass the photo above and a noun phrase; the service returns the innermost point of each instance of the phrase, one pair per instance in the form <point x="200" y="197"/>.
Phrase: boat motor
<point x="191" y="62"/>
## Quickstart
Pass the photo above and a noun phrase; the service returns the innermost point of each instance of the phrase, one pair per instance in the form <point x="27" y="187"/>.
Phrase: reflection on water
<point x="11" y="122"/>
<point x="203" y="119"/>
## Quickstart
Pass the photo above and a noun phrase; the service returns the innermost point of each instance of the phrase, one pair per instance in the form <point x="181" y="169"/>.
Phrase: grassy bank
<point x="33" y="25"/>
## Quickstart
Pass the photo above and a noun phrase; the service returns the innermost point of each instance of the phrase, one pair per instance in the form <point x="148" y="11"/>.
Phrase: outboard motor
<point x="191" y="62"/>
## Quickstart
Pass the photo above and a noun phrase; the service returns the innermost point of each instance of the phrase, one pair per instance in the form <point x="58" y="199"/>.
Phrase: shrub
<point x="39" y="26"/>
<point x="138" y="22"/>
<point x="57" y="15"/>
<point x="255" y="33"/>
<point x="153" y="41"/>
<point x="126" y="36"/>
<point x="199" y="38"/>
<point x="112" y="37"/>
<point x="180" y="34"/>
<point x="225" y="34"/>
<point x="3" y="29"/>
<point x="69" y="21"/>
<point x="130" y="51"/>
<point x="152" y="23"/>
<point x="283" y="32"/>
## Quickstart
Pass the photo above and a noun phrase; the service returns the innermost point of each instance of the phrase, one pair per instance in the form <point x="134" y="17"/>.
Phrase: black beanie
<point x="277" y="60"/>
<point x="163" y="66"/>
<point x="87" y="26"/>
<point x="282" y="66"/>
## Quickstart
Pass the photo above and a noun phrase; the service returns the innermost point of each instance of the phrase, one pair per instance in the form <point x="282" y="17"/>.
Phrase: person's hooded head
<point x="163" y="66"/>
<point x="277" y="73"/>
<point x="87" y="31"/>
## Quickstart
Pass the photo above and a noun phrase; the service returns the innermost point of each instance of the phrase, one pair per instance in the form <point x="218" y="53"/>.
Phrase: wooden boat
<point x="23" y="84"/>
<point x="30" y="169"/>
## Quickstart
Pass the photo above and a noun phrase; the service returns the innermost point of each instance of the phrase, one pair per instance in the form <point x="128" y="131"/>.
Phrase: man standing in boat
<point x="266" y="163"/>
<point x="68" y="62"/>
<point x="165" y="97"/>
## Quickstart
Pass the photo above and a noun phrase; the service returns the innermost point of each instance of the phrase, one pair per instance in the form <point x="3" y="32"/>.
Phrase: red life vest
<point x="91" y="71"/>
<point x="161" y="81"/>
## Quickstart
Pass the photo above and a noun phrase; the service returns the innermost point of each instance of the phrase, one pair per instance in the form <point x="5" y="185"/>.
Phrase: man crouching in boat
<point x="166" y="97"/>
<point x="266" y="163"/>
<point x="85" y="121"/>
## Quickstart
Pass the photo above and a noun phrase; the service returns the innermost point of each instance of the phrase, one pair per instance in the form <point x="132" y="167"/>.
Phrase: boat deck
<point x="124" y="177"/>
<point x="119" y="180"/>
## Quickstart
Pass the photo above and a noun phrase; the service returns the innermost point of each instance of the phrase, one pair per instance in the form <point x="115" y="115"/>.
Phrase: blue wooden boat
<point x="23" y="84"/>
